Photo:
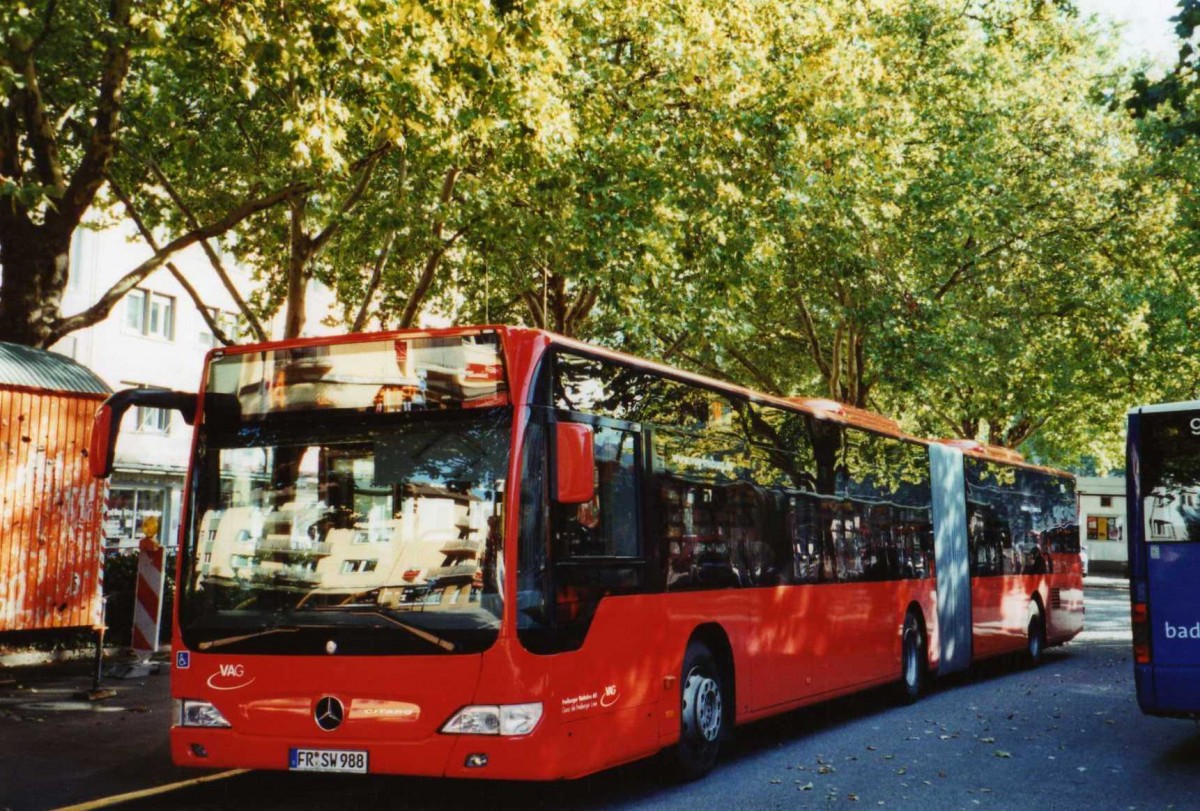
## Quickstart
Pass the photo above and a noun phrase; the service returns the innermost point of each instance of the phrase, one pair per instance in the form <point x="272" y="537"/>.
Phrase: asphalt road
<point x="1066" y="735"/>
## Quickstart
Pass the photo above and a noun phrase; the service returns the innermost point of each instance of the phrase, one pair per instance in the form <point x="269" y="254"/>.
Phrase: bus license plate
<point x="353" y="761"/>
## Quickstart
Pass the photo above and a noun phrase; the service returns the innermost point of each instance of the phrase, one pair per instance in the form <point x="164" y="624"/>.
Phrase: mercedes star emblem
<point x="329" y="713"/>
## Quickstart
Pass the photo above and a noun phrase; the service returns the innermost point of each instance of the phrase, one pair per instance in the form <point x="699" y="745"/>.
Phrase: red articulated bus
<point x="495" y="552"/>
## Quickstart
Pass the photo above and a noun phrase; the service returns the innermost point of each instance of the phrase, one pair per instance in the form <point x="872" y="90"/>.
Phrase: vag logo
<point x="227" y="673"/>
<point x="1181" y="631"/>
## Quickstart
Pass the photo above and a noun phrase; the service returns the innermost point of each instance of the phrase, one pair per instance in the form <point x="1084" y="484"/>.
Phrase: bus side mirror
<point x="107" y="422"/>
<point x="575" y="459"/>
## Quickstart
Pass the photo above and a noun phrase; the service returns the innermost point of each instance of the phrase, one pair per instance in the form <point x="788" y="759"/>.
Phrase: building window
<point x="232" y="324"/>
<point x="1105" y="501"/>
<point x="153" y="420"/>
<point x="1105" y="528"/>
<point x="126" y="511"/>
<point x="151" y="314"/>
<point x="147" y="420"/>
<point x="135" y="311"/>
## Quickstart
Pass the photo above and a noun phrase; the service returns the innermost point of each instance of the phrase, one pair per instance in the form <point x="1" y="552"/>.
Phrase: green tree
<point x="954" y="225"/>
<point x="65" y="71"/>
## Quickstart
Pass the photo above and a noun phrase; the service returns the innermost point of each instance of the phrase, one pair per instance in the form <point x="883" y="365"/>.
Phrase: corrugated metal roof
<point x="39" y="369"/>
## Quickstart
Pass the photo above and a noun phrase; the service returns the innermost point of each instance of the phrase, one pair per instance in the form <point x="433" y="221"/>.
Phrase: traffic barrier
<point x="147" y="604"/>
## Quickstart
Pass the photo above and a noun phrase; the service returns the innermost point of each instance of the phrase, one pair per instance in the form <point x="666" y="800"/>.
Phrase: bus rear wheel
<point x="702" y="713"/>
<point x="1035" y="645"/>
<point x="914" y="662"/>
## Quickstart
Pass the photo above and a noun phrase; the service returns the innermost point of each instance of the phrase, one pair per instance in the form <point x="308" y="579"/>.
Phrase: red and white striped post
<point x="147" y="603"/>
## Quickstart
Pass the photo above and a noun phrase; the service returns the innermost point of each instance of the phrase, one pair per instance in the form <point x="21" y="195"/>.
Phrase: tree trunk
<point x="36" y="263"/>
<point x="297" y="270"/>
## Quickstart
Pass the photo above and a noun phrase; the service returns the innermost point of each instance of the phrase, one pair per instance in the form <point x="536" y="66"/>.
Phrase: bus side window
<point x="606" y="526"/>
<point x="805" y="534"/>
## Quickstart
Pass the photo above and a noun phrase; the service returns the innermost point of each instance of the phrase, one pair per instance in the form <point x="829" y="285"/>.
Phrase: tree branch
<point x="835" y="363"/>
<point x="10" y="161"/>
<point x="425" y="280"/>
<point x="214" y="258"/>
<point x="98" y="152"/>
<point x="148" y="236"/>
<point x="365" y="167"/>
<point x="673" y="346"/>
<point x="360" y="320"/>
<point x="580" y="308"/>
<point x="100" y="310"/>
<point x="47" y="24"/>
<point x="814" y="343"/>
<point x="534" y="303"/>
<point x="43" y="140"/>
<point x="765" y="380"/>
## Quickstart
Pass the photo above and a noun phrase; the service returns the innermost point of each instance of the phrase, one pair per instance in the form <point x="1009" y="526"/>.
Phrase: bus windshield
<point x="358" y="521"/>
<point x="1169" y="467"/>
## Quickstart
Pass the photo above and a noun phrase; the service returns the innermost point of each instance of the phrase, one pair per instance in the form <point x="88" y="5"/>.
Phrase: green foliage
<point x="920" y="206"/>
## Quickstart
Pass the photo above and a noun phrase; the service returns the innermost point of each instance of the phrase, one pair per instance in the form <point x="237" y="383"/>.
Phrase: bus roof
<point x="1160" y="408"/>
<point x="821" y="408"/>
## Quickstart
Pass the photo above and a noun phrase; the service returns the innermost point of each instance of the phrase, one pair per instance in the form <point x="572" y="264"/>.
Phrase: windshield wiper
<point x="229" y="640"/>
<point x="420" y="633"/>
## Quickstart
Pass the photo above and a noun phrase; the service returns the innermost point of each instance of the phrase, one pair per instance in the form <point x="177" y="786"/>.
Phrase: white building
<point x="1102" y="524"/>
<point x="154" y="337"/>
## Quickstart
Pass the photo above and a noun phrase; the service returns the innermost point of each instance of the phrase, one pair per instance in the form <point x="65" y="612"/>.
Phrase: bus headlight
<point x="492" y="719"/>
<point x="193" y="713"/>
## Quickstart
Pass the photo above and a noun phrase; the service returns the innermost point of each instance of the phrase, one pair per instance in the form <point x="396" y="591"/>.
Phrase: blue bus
<point x="1163" y="481"/>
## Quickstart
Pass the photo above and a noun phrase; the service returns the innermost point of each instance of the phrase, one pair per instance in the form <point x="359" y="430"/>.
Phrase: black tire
<point x="1035" y="643"/>
<point x="703" y="713"/>
<point x="914" y="660"/>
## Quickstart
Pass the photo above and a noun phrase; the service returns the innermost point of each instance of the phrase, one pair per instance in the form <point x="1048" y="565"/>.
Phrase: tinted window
<point x="606" y="526"/>
<point x="1017" y="516"/>
<point x="749" y="494"/>
<point x="1169" y="467"/>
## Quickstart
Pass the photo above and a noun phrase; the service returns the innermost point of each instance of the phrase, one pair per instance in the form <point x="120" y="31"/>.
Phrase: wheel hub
<point x="702" y="707"/>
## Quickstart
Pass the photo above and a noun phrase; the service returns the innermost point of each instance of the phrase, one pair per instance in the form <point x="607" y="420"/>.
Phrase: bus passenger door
<point x="950" y="558"/>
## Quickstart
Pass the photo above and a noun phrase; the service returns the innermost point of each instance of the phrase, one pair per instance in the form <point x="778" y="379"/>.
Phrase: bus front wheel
<point x="702" y="714"/>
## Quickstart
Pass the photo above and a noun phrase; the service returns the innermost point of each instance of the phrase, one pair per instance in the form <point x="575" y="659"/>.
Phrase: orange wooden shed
<point x="51" y="509"/>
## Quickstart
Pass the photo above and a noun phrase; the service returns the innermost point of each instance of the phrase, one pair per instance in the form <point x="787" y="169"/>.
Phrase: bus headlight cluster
<point x="493" y="719"/>
<point x="193" y="713"/>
